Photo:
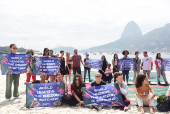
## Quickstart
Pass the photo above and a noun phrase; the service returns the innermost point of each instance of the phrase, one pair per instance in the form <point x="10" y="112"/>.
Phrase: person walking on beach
<point x="12" y="78"/>
<point x="30" y="67"/>
<point x="159" y="71"/>
<point x="125" y="72"/>
<point x="86" y="68"/>
<point x="115" y="63"/>
<point x="76" y="58"/>
<point x="102" y="71"/>
<point x="62" y="66"/>
<point x="68" y="67"/>
<point x="147" y="65"/>
<point x="137" y="61"/>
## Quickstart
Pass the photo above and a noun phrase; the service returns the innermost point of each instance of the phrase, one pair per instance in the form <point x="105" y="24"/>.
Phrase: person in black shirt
<point x="102" y="71"/>
<point x="86" y="68"/>
<point x="98" y="81"/>
<point x="62" y="66"/>
<point x="51" y="54"/>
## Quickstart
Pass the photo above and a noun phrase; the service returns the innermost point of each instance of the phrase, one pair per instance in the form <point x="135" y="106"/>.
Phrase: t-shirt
<point x="76" y="60"/>
<point x="107" y="71"/>
<point x="86" y="59"/>
<point x="62" y="63"/>
<point x="95" y="84"/>
<point x="115" y="62"/>
<point x="147" y="63"/>
<point x="78" y="91"/>
<point x="158" y="63"/>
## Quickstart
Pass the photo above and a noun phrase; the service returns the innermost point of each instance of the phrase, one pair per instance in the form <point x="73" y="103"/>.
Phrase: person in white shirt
<point x="108" y="73"/>
<point x="147" y="65"/>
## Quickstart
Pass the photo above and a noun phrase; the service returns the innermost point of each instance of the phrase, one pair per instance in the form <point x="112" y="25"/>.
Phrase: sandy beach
<point x="17" y="106"/>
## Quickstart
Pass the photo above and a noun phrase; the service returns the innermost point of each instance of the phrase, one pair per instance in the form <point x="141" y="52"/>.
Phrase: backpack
<point x="163" y="103"/>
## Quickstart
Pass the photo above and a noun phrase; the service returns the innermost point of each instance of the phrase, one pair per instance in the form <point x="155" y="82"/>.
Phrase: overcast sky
<point x="78" y="23"/>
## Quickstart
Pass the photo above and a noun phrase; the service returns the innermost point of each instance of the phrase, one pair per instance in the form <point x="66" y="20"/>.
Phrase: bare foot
<point x="141" y="108"/>
<point x="151" y="110"/>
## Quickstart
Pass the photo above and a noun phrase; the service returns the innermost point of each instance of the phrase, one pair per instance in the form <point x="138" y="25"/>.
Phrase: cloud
<point x="78" y="23"/>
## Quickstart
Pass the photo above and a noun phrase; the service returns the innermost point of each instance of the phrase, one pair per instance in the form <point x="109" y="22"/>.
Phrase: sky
<point x="36" y="24"/>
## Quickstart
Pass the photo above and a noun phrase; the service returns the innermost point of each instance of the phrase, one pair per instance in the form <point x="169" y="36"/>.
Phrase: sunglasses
<point x="15" y="48"/>
<point x="50" y="52"/>
<point x="77" y="79"/>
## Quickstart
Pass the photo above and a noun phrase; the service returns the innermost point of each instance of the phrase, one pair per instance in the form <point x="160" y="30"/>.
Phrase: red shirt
<point x="76" y="60"/>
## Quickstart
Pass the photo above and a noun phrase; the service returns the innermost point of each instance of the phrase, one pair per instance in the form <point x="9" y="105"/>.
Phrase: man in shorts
<point x="76" y="58"/>
<point x="147" y="65"/>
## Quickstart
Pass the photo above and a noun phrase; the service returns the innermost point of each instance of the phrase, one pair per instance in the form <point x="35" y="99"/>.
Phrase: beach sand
<point x="17" y="106"/>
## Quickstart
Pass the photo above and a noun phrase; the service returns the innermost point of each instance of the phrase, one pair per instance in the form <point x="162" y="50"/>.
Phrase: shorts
<point x="76" y="69"/>
<point x="62" y="71"/>
<point x="147" y="71"/>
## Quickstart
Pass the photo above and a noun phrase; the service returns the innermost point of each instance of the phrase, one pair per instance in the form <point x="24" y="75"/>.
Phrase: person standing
<point x="30" y="68"/>
<point x="76" y="58"/>
<point x="102" y="71"/>
<point x="51" y="54"/>
<point x="137" y="61"/>
<point x="115" y="63"/>
<point x="62" y="66"/>
<point x="68" y="67"/>
<point x="147" y="65"/>
<point x="86" y="68"/>
<point x="158" y="69"/>
<point x="125" y="72"/>
<point x="12" y="78"/>
<point x="108" y="73"/>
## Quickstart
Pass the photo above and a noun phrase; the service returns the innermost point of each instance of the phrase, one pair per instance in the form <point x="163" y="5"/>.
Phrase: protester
<point x="12" y="78"/>
<point x="30" y="67"/>
<point x="108" y="74"/>
<point x="57" y="55"/>
<point x="144" y="98"/>
<point x="147" y="65"/>
<point x="118" y="78"/>
<point x="137" y="61"/>
<point x="51" y="53"/>
<point x="43" y="79"/>
<point x="102" y="71"/>
<point x="76" y="89"/>
<point x="58" y="78"/>
<point x="125" y="72"/>
<point x="158" y="69"/>
<point x="62" y="65"/>
<point x="76" y="58"/>
<point x="86" y="68"/>
<point x="98" y="81"/>
<point x="115" y="63"/>
<point x="46" y="54"/>
<point x="68" y="67"/>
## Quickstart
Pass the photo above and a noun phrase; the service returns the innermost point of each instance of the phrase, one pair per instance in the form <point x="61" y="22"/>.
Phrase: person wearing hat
<point x="86" y="68"/>
<point x="137" y="61"/>
<point x="62" y="66"/>
<point x="125" y="72"/>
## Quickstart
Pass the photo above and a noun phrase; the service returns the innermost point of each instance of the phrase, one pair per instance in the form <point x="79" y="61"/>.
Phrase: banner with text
<point x="14" y="63"/>
<point x="48" y="65"/>
<point x="165" y="64"/>
<point x="126" y="64"/>
<point x="94" y="63"/>
<point x="105" y="95"/>
<point x="44" y="94"/>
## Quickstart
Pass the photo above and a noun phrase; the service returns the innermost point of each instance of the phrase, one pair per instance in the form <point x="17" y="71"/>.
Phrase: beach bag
<point x="163" y="103"/>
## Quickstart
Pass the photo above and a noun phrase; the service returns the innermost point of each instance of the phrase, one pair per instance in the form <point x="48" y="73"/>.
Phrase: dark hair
<point x="27" y="51"/>
<point x="140" y="78"/>
<point x="51" y="50"/>
<point x="136" y="52"/>
<point x="58" y="74"/>
<point x="61" y="51"/>
<point x="115" y="75"/>
<point x="44" y="51"/>
<point x="81" y="83"/>
<point x="157" y="55"/>
<point x="114" y="57"/>
<point x="124" y="51"/>
<point x="75" y="50"/>
<point x="109" y="64"/>
<point x="11" y="45"/>
<point x="145" y="52"/>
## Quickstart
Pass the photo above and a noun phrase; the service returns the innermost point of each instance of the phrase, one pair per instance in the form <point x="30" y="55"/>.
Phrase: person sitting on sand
<point x="142" y="93"/>
<point x="118" y="78"/>
<point x="76" y="89"/>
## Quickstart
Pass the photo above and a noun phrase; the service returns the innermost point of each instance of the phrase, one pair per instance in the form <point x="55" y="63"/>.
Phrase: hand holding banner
<point x="44" y="94"/>
<point x="165" y="64"/>
<point x="105" y="95"/>
<point x="126" y="64"/>
<point x="14" y="63"/>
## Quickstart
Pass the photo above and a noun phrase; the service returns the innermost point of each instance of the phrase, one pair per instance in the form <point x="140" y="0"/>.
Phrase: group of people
<point x="105" y="74"/>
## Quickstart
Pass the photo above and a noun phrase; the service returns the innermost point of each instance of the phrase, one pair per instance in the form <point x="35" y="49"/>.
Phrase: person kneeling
<point x="118" y="78"/>
<point x="142" y="93"/>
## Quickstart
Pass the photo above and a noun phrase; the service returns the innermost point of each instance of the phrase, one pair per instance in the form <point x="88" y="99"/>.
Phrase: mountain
<point x="132" y="40"/>
<point x="65" y="49"/>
